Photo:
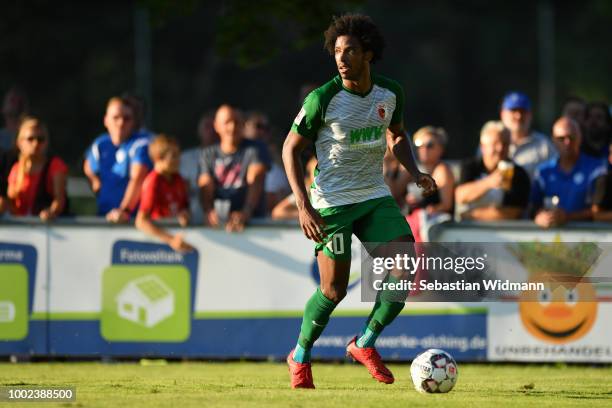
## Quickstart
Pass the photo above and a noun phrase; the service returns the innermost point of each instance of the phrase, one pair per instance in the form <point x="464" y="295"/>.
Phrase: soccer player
<point x="352" y="120"/>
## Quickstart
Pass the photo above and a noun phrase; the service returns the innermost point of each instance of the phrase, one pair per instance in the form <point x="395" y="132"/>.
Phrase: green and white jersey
<point x="349" y="133"/>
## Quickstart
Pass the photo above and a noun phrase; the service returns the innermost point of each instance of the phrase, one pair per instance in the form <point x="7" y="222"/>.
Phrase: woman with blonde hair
<point x="430" y="142"/>
<point x="36" y="184"/>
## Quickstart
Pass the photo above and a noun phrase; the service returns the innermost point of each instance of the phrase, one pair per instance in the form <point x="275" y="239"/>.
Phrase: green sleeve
<point x="310" y="119"/>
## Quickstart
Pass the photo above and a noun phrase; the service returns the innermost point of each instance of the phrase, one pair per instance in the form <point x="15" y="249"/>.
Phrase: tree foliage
<point x="253" y="32"/>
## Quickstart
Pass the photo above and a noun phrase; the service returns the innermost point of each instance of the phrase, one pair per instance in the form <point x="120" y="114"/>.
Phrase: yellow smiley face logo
<point x="559" y="313"/>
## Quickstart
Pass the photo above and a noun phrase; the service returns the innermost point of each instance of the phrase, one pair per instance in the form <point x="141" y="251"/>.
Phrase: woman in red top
<point x="26" y="194"/>
<point x="164" y="194"/>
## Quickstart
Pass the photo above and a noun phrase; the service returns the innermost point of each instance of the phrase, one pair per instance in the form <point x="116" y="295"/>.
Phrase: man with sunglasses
<point x="563" y="187"/>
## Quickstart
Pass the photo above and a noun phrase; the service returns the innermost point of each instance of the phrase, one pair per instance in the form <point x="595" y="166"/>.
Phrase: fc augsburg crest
<point x="382" y="110"/>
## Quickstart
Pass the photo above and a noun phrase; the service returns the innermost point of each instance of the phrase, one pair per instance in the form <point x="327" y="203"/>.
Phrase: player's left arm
<point x="398" y="144"/>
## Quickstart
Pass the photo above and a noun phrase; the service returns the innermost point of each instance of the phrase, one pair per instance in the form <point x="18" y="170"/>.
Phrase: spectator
<point x="139" y="107"/>
<point x="36" y="183"/>
<point x="562" y="188"/>
<point x="598" y="128"/>
<point x="7" y="159"/>
<point x="118" y="161"/>
<point x="492" y="187"/>
<point x="528" y="148"/>
<point x="602" y="196"/>
<point x="191" y="161"/>
<point x="14" y="107"/>
<point x="257" y="127"/>
<point x="206" y="130"/>
<point x="164" y="194"/>
<point x="287" y="209"/>
<point x="276" y="186"/>
<point x="258" y="135"/>
<point x="574" y="107"/>
<point x="423" y="211"/>
<point x="430" y="143"/>
<point x="233" y="174"/>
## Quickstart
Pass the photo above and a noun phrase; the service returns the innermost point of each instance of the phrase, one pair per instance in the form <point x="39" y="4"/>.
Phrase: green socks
<point x="383" y="313"/>
<point x="316" y="316"/>
<point x="385" y="310"/>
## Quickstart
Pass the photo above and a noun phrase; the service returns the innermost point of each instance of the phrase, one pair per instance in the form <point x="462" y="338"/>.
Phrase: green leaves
<point x="252" y="33"/>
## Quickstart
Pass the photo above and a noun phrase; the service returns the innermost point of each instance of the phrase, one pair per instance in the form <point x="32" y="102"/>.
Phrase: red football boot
<point x="369" y="357"/>
<point x="301" y="373"/>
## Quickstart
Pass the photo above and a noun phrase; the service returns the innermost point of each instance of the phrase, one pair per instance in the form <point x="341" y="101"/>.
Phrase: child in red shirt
<point x="26" y="195"/>
<point x="164" y="193"/>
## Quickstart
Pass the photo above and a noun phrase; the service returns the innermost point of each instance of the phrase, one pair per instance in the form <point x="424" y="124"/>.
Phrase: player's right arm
<point x="310" y="220"/>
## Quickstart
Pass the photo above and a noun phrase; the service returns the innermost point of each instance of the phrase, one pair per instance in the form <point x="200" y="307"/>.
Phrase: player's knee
<point x="334" y="293"/>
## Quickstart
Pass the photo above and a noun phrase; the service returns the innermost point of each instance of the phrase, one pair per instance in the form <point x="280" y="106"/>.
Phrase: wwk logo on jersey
<point x="366" y="135"/>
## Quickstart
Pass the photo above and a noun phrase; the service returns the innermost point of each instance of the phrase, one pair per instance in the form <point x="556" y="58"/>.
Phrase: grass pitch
<point x="196" y="384"/>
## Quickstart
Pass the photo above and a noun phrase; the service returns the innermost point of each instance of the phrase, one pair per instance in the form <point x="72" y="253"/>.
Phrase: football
<point x="434" y="370"/>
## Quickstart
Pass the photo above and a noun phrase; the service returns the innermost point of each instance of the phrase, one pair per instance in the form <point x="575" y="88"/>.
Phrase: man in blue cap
<point x="528" y="148"/>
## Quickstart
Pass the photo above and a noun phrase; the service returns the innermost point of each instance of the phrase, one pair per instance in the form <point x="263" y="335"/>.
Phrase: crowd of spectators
<point x="236" y="173"/>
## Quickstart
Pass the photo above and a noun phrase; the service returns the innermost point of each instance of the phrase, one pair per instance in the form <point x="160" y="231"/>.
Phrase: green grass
<point x="195" y="384"/>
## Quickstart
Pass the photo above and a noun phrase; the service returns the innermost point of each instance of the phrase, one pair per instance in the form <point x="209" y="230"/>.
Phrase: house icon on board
<point x="146" y="301"/>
